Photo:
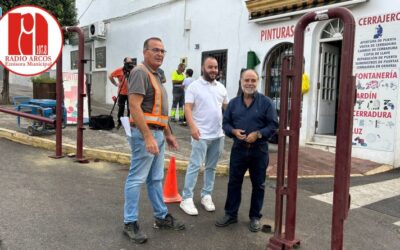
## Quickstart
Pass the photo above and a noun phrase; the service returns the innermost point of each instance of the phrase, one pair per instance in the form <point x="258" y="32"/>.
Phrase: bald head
<point x="248" y="71"/>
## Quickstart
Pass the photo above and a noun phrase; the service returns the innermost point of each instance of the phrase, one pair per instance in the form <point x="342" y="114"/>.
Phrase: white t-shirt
<point x="187" y="82"/>
<point x="207" y="99"/>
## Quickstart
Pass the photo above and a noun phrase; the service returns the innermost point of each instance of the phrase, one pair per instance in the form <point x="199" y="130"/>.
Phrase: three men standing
<point x="148" y="102"/>
<point x="204" y="101"/>
<point x="250" y="120"/>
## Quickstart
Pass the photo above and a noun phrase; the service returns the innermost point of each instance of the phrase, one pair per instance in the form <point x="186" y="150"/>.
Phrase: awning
<point x="269" y="8"/>
<point x="252" y="60"/>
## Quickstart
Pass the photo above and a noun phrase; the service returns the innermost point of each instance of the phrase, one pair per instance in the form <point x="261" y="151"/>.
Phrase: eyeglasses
<point x="157" y="50"/>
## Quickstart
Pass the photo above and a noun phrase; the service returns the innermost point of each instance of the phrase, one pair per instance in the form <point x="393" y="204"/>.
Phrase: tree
<point x="63" y="10"/>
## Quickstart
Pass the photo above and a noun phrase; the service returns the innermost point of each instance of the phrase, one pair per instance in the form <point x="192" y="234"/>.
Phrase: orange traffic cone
<point x="170" y="185"/>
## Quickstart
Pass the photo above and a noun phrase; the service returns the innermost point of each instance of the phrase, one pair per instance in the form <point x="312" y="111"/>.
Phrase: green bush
<point x="43" y="79"/>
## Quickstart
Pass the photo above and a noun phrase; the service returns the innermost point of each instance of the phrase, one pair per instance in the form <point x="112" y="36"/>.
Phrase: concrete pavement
<point x="112" y="146"/>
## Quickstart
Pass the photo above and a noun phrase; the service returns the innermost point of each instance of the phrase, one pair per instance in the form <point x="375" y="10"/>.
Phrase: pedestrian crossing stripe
<point x="397" y="223"/>
<point x="367" y="194"/>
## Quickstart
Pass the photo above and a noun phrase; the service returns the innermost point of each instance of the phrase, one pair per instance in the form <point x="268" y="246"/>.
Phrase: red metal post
<point x="287" y="239"/>
<point x="59" y="109"/>
<point x="281" y="189"/>
<point x="79" y="133"/>
<point x="347" y="92"/>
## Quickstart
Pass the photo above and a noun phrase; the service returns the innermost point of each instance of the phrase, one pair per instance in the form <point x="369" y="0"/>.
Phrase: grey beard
<point x="247" y="92"/>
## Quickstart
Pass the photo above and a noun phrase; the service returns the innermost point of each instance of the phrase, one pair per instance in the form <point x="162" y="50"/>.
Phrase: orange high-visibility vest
<point x="155" y="117"/>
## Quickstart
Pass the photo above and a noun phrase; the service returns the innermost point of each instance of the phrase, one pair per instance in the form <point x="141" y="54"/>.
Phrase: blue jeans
<point x="207" y="151"/>
<point x="256" y="160"/>
<point x="145" y="167"/>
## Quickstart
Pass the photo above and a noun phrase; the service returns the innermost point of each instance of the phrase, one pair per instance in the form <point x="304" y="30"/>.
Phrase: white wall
<point x="90" y="11"/>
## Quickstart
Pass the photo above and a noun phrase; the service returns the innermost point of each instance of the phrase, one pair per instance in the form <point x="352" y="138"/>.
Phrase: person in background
<point x="240" y="91"/>
<point x="148" y="101"/>
<point x="250" y="120"/>
<point x="188" y="80"/>
<point x="204" y="100"/>
<point x="122" y="74"/>
<point x="178" y="93"/>
<point x="221" y="77"/>
<point x="161" y="73"/>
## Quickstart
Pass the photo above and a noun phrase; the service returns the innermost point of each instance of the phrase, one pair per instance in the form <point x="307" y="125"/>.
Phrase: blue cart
<point x="41" y="107"/>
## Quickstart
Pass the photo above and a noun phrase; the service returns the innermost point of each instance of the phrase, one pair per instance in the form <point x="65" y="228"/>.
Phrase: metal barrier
<point x="59" y="101"/>
<point x="27" y="115"/>
<point x="79" y="128"/>
<point x="291" y="77"/>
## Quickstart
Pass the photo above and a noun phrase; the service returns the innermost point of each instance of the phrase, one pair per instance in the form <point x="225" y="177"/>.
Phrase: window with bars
<point x="74" y="59"/>
<point x="329" y="77"/>
<point x="222" y="59"/>
<point x="274" y="68"/>
<point x="100" y="57"/>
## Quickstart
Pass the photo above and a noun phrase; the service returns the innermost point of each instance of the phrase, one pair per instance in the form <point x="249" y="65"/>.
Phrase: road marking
<point x="397" y="223"/>
<point x="367" y="194"/>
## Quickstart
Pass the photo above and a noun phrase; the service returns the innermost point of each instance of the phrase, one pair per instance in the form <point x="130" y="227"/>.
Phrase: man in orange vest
<point x="122" y="75"/>
<point x="149" y="131"/>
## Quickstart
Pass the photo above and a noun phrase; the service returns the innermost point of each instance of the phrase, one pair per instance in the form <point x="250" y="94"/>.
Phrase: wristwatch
<point x="259" y="135"/>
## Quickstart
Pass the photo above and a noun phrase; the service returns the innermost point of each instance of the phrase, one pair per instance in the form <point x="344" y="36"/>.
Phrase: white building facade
<point x="231" y="30"/>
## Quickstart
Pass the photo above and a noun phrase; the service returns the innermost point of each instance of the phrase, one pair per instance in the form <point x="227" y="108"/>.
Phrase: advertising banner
<point x="376" y="64"/>
<point x="70" y="82"/>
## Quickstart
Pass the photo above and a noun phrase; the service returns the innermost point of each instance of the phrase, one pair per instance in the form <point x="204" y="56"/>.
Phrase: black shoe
<point x="226" y="221"/>
<point x="172" y="119"/>
<point x="133" y="231"/>
<point x="254" y="225"/>
<point x="169" y="222"/>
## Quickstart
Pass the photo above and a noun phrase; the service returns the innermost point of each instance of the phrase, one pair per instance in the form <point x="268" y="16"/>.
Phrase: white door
<point x="327" y="89"/>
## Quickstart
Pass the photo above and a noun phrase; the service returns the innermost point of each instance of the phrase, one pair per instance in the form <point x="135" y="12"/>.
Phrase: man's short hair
<point x="146" y="43"/>
<point x="181" y="64"/>
<point x="208" y="57"/>
<point x="189" y="72"/>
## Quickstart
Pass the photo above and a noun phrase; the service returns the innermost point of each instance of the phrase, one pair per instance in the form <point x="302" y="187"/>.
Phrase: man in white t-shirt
<point x="204" y="100"/>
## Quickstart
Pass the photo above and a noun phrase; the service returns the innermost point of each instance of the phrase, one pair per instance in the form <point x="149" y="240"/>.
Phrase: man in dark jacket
<point x="250" y="120"/>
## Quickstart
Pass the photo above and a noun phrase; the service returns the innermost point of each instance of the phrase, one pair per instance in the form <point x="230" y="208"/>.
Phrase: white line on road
<point x="367" y="194"/>
<point x="397" y="223"/>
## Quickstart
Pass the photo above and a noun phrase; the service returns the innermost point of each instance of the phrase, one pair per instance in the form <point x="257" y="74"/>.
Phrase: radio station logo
<point x="31" y="40"/>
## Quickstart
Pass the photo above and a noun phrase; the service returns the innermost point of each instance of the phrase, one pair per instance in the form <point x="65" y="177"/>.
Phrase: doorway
<point x="328" y="78"/>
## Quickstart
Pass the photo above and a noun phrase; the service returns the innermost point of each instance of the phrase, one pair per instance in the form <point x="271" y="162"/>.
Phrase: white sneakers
<point x="207" y="203"/>
<point x="188" y="206"/>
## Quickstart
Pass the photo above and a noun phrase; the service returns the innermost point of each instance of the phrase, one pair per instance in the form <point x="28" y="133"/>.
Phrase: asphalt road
<point x="59" y="204"/>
